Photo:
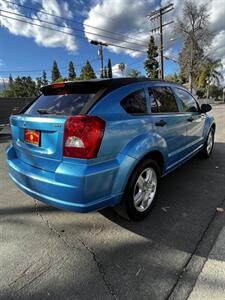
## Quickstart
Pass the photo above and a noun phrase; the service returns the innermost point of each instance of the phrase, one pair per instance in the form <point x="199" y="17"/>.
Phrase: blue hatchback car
<point x="86" y="145"/>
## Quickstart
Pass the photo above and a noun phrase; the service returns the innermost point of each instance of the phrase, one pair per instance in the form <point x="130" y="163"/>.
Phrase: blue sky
<point x="27" y="50"/>
<point x="22" y="53"/>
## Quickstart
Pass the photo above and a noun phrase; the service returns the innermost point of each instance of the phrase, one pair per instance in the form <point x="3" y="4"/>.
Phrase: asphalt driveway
<point x="46" y="253"/>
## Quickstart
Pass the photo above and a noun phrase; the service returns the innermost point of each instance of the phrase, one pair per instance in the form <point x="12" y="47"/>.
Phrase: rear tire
<point x="209" y="144"/>
<point x="141" y="191"/>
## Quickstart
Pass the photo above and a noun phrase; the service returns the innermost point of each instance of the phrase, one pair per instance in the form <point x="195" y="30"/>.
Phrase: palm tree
<point x="121" y="67"/>
<point x="209" y="74"/>
<point x="134" y="73"/>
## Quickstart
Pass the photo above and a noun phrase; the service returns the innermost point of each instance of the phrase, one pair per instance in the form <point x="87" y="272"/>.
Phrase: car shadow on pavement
<point x="187" y="203"/>
<point x="27" y="210"/>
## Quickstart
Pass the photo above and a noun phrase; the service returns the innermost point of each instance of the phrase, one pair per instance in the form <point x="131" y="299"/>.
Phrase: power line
<point x="67" y="33"/>
<point x="134" y="63"/>
<point x="75" y="29"/>
<point x="139" y="66"/>
<point x="172" y="59"/>
<point x="70" y="20"/>
<point x="158" y="14"/>
<point x="163" y="25"/>
<point x="165" y="9"/>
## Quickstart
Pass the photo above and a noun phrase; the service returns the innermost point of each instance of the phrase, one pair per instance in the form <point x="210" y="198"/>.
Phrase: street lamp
<point x="100" y="53"/>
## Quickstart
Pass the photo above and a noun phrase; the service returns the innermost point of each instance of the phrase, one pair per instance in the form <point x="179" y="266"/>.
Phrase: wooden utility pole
<point x="100" y="54"/>
<point x="191" y="66"/>
<point x="158" y="14"/>
<point x="161" y="45"/>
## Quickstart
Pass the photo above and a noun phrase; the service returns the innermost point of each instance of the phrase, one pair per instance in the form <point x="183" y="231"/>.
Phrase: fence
<point x="10" y="106"/>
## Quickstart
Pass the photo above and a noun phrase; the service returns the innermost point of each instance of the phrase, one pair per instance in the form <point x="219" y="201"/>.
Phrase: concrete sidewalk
<point x="211" y="281"/>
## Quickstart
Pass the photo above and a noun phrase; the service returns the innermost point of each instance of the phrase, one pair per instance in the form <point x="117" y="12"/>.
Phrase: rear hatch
<point x="38" y="131"/>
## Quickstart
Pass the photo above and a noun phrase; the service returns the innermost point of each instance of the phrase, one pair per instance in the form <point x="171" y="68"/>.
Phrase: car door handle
<point x="190" y="119"/>
<point x="160" y="123"/>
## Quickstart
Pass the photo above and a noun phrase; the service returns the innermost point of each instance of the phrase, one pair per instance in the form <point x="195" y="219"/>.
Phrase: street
<point x="46" y="253"/>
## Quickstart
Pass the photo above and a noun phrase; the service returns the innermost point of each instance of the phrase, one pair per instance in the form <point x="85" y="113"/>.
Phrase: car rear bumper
<point x="78" y="188"/>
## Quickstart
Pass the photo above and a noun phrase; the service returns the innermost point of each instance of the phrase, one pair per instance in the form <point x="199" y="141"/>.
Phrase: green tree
<point x="134" y="73"/>
<point x="30" y="86"/>
<point x="105" y="73"/>
<point x="55" y="72"/>
<point x="216" y="92"/>
<point x="194" y="62"/>
<point x="71" y="71"/>
<point x="110" y="74"/>
<point x="22" y="87"/>
<point x="209" y="75"/>
<point x="9" y="91"/>
<point x="87" y="72"/>
<point x="41" y="81"/>
<point x="151" y="64"/>
<point x="44" y="78"/>
<point x="122" y="67"/>
<point x="10" y="81"/>
<point x="172" y="77"/>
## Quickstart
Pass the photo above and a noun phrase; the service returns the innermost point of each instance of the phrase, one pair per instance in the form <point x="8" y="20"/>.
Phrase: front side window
<point x="188" y="102"/>
<point x="162" y="100"/>
<point x="135" y="103"/>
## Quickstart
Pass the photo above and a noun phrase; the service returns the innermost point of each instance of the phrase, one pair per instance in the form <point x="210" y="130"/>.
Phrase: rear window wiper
<point x="43" y="111"/>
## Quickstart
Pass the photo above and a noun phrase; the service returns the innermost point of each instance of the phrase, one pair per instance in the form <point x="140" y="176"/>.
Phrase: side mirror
<point x="205" y="108"/>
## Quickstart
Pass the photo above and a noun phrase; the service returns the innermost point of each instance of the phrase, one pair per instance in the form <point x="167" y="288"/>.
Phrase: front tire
<point x="141" y="191"/>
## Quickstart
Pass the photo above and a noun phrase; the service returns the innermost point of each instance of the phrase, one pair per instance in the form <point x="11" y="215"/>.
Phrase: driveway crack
<point x="100" y="269"/>
<point x="50" y="226"/>
<point x="95" y="259"/>
<point x="21" y="275"/>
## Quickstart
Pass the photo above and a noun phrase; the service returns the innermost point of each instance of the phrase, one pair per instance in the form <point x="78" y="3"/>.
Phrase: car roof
<point x="106" y="84"/>
<point x="99" y="87"/>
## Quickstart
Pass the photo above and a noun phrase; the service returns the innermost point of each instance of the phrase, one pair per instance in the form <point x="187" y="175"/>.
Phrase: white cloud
<point x="42" y="36"/>
<point x="1" y="62"/>
<point x="126" y="17"/>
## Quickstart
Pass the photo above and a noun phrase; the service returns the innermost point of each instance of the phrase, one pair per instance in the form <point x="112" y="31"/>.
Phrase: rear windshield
<point x="64" y="104"/>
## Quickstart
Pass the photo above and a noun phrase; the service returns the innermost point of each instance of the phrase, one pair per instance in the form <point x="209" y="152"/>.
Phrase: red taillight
<point x="82" y="136"/>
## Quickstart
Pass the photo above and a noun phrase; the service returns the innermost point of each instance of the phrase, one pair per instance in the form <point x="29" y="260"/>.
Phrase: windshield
<point x="65" y="104"/>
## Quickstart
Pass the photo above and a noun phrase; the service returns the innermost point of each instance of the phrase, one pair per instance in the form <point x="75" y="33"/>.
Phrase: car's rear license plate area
<point x="32" y="137"/>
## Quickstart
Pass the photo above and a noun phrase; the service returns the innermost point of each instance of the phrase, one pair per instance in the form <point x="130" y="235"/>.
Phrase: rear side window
<point x="162" y="100"/>
<point x="64" y="104"/>
<point x="135" y="103"/>
<point x="188" y="102"/>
